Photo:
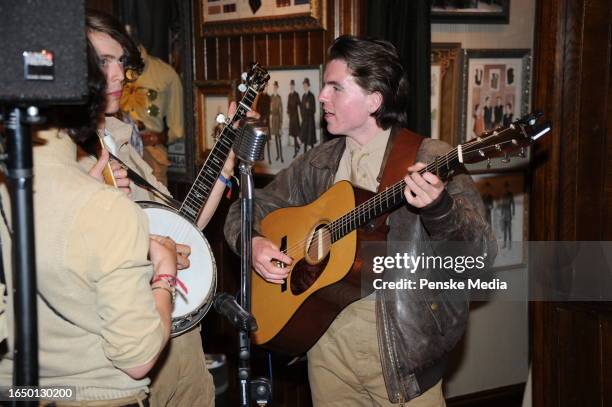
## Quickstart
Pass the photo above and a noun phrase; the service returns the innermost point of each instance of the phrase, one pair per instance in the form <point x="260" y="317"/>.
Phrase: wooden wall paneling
<point x="300" y="44"/>
<point x="571" y="196"/>
<point x="594" y="73"/>
<point x="248" y="50"/>
<point x="287" y="49"/>
<point x="237" y="65"/>
<point x="350" y="17"/>
<point x="570" y="105"/>
<point x="346" y="14"/>
<point x="548" y="38"/>
<point x="223" y="58"/>
<point x="578" y="331"/>
<point x="211" y="72"/>
<point x="274" y="49"/>
<point x="606" y="352"/>
<point x="607" y="223"/>
<point x="198" y="45"/>
<point x="318" y="48"/>
<point x="261" y="48"/>
<point x="547" y="71"/>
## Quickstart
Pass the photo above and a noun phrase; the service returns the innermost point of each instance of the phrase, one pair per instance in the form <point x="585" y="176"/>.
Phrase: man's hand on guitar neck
<point x="120" y="175"/>
<point x="265" y="256"/>
<point x="422" y="190"/>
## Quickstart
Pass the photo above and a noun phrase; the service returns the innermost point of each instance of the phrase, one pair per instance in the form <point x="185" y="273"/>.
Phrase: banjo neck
<point x="209" y="173"/>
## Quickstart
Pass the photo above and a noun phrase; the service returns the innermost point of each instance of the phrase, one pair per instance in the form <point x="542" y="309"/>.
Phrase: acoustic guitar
<point x="322" y="238"/>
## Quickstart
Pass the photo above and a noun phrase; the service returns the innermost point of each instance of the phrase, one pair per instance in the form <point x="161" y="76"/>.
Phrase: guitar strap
<point x="400" y="154"/>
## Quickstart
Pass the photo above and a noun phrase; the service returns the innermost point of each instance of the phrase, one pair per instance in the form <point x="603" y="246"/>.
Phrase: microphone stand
<point x="249" y="149"/>
<point x="246" y="224"/>
<point x="20" y="179"/>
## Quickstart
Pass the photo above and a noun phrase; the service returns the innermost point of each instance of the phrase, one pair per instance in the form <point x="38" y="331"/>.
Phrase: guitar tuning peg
<point x="242" y="88"/>
<point x="244" y="76"/>
<point x="506" y="158"/>
<point x="488" y="163"/>
<point x="522" y="152"/>
<point x="220" y="118"/>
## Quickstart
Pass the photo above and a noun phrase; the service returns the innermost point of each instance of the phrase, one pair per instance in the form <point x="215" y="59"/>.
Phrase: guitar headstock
<point x="257" y="77"/>
<point x="506" y="142"/>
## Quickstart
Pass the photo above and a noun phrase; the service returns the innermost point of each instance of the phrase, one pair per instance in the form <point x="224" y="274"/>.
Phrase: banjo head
<point x="201" y="276"/>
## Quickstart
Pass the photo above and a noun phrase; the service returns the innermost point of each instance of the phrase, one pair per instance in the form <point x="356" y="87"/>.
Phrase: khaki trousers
<point x="180" y="377"/>
<point x="344" y="367"/>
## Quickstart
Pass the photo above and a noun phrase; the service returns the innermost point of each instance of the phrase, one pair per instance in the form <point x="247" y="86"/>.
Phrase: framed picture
<point x="506" y="203"/>
<point x="496" y="89"/>
<point x="470" y="11"/>
<point x="212" y="98"/>
<point x="290" y="109"/>
<point x="236" y="17"/>
<point x="445" y="91"/>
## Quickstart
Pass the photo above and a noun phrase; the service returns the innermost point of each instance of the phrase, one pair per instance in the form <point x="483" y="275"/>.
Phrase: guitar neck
<point x="389" y="199"/>
<point x="209" y="173"/>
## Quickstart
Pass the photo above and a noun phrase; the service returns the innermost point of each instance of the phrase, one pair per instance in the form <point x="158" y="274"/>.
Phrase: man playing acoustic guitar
<point x="390" y="347"/>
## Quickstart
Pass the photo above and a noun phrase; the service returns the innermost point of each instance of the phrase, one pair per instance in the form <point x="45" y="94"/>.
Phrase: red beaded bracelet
<point x="173" y="281"/>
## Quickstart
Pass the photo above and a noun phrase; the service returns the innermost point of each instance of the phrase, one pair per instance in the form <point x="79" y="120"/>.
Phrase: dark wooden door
<point x="572" y="194"/>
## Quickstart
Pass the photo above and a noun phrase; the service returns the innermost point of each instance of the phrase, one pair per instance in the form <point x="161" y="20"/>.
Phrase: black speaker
<point x="43" y="51"/>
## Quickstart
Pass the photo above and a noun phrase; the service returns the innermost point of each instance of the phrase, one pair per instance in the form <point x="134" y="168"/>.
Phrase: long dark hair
<point x="376" y="67"/>
<point x="96" y="21"/>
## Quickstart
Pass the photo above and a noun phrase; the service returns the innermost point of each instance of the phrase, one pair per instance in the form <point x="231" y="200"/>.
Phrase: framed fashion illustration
<point x="496" y="91"/>
<point x="470" y="11"/>
<point x="291" y="112"/>
<point x="237" y="17"/>
<point x="506" y="202"/>
<point x="445" y="91"/>
<point x="212" y="98"/>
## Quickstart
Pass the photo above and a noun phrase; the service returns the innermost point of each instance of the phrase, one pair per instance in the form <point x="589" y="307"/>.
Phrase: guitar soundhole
<point x="318" y="244"/>
<point x="307" y="270"/>
<point x="304" y="275"/>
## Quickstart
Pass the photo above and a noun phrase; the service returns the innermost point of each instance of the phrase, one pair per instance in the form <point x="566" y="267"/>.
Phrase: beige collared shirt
<point x="361" y="164"/>
<point x="96" y="313"/>
<point x="120" y="133"/>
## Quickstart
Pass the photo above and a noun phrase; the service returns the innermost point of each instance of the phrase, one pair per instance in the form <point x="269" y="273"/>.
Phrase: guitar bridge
<point x="283" y="247"/>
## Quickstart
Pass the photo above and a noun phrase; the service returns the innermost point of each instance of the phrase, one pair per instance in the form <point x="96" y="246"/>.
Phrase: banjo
<point x="180" y="223"/>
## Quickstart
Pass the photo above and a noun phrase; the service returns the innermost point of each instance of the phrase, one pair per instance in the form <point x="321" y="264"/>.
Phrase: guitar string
<point x="349" y="218"/>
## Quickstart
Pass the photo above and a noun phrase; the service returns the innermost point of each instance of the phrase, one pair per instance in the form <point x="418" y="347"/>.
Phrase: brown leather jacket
<point x="413" y="345"/>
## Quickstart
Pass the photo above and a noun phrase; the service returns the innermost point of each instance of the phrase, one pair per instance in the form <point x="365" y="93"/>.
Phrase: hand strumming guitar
<point x="265" y="256"/>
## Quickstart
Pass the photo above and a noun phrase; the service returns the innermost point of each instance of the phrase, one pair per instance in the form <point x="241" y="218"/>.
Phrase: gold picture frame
<point x="211" y="98"/>
<point x="446" y="91"/>
<point x="234" y="17"/>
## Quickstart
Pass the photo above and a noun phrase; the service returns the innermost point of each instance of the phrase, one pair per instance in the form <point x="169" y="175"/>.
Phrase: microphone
<point x="249" y="145"/>
<point x="227" y="306"/>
